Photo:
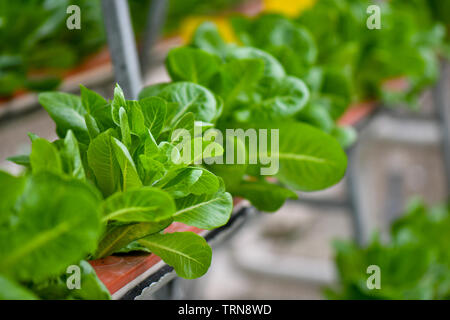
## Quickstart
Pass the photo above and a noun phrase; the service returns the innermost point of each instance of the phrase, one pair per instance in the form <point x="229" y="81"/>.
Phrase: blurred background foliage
<point x="414" y="264"/>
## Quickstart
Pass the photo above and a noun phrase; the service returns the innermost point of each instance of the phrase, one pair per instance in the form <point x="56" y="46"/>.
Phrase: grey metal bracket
<point x="122" y="46"/>
<point x="156" y="17"/>
<point x="441" y="97"/>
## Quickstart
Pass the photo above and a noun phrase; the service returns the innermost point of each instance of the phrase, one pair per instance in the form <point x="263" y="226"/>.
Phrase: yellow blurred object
<point x="190" y="24"/>
<point x="290" y="8"/>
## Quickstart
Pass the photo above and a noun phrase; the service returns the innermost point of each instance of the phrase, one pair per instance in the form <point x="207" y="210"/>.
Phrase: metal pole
<point x="441" y="97"/>
<point x="122" y="46"/>
<point x="353" y="195"/>
<point x="155" y="21"/>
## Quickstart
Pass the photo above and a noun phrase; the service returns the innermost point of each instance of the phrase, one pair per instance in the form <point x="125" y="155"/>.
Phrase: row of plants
<point x="38" y="47"/>
<point x="342" y="60"/>
<point x="344" y="69"/>
<point x="113" y="181"/>
<point x="414" y="263"/>
<point x="350" y="66"/>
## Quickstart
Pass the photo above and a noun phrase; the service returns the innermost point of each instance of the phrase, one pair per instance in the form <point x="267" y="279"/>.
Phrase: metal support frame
<point x="361" y="234"/>
<point x="122" y="46"/>
<point x="441" y="97"/>
<point x="156" y="17"/>
<point x="353" y="191"/>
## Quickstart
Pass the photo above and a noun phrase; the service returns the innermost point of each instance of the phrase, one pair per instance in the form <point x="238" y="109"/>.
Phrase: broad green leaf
<point x="11" y="190"/>
<point x="103" y="117"/>
<point x="119" y="236"/>
<point x="154" y="110"/>
<point x="187" y="123"/>
<point x="190" y="97"/>
<point x="58" y="224"/>
<point x="153" y="90"/>
<point x="272" y="68"/>
<point x="188" y="253"/>
<point x="317" y="115"/>
<point x="45" y="157"/>
<point x="70" y="154"/>
<point x="207" y="37"/>
<point x="136" y="118"/>
<point x="238" y="76"/>
<point x="207" y="183"/>
<point x="309" y="159"/>
<point x="231" y="170"/>
<point x="130" y="176"/>
<point x="282" y="98"/>
<point x="103" y="163"/>
<point x="263" y="195"/>
<point x="10" y="290"/>
<point x="179" y="181"/>
<point x="296" y="38"/>
<point x="143" y="205"/>
<point x="68" y="113"/>
<point x="192" y="180"/>
<point x="206" y="211"/>
<point x="191" y="64"/>
<point x="91" y="100"/>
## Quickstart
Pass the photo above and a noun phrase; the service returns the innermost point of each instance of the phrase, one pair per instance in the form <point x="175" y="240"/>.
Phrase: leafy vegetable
<point x="256" y="94"/>
<point x="129" y="153"/>
<point x="187" y="252"/>
<point x="31" y="248"/>
<point x="141" y="205"/>
<point x="48" y="223"/>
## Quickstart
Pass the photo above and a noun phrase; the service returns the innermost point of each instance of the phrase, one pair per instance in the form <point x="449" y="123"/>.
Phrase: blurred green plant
<point x="37" y="47"/>
<point x="342" y="60"/>
<point x="414" y="264"/>
<point x="255" y="92"/>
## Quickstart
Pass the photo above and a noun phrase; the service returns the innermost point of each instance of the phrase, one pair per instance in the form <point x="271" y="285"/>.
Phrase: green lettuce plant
<point x="124" y="149"/>
<point x="125" y="153"/>
<point x="48" y="222"/>
<point x="255" y="93"/>
<point x="330" y="47"/>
